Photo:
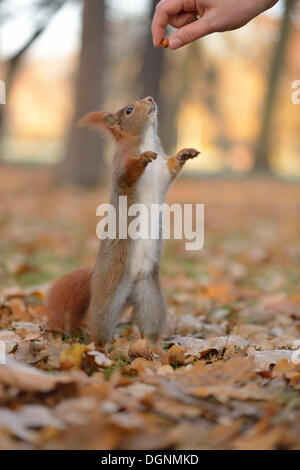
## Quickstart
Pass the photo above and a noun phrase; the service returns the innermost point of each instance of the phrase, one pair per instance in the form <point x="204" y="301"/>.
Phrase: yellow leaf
<point x="74" y="355"/>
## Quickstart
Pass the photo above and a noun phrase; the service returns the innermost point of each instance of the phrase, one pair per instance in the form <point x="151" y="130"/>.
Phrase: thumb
<point x="190" y="33"/>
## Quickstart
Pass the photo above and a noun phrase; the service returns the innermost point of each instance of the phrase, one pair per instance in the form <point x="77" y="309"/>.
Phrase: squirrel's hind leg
<point x="149" y="308"/>
<point x="104" y="313"/>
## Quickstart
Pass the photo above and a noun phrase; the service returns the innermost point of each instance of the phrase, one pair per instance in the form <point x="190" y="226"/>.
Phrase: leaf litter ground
<point x="224" y="375"/>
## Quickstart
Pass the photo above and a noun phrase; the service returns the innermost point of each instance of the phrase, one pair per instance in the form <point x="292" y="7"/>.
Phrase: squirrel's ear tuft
<point x="98" y="120"/>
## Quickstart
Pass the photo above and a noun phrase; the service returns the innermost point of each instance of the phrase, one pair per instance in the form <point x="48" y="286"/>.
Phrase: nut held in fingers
<point x="164" y="43"/>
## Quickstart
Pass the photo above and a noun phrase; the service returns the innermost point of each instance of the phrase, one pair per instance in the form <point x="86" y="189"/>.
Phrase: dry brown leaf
<point x="27" y="330"/>
<point x="270" y="440"/>
<point x="76" y="411"/>
<point x="120" y="345"/>
<point x="140" y="348"/>
<point x="290" y="371"/>
<point x="30" y="352"/>
<point x="138" y="390"/>
<point x="21" y="423"/>
<point x="27" y="378"/>
<point x="10" y="338"/>
<point x="223" y="393"/>
<point x="159" y="354"/>
<point x="264" y="359"/>
<point x="127" y="421"/>
<point x="176" y="355"/>
<point x="189" y="324"/>
<point x="100" y="359"/>
<point x="198" y="347"/>
<point x="223" y="379"/>
<point x="165" y="370"/>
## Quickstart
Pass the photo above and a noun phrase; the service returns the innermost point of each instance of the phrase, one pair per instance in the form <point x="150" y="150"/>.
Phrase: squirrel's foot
<point x="148" y="157"/>
<point x="187" y="154"/>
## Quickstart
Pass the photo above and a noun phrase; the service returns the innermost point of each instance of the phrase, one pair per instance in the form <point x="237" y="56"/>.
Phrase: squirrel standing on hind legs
<point x="126" y="271"/>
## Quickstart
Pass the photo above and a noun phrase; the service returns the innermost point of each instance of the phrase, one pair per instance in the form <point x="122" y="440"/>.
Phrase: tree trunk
<point x="264" y="142"/>
<point x="153" y="69"/>
<point x="84" y="160"/>
<point x="153" y="63"/>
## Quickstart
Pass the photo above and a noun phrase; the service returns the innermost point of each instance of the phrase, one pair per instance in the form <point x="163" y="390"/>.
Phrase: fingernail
<point x="175" y="43"/>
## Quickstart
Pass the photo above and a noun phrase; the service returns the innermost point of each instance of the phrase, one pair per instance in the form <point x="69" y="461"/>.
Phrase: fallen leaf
<point x="138" y="390"/>
<point x="100" y="359"/>
<point x="22" y="422"/>
<point x="27" y="330"/>
<point x="140" y="348"/>
<point x="27" y="378"/>
<point x="264" y="359"/>
<point x="10" y="338"/>
<point x="176" y="355"/>
<point x="71" y="357"/>
<point x="198" y="347"/>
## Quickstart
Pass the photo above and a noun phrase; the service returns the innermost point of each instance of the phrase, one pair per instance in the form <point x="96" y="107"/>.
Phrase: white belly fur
<point x="151" y="190"/>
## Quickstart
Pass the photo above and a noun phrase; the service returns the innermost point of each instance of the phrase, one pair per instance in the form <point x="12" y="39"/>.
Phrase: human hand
<point x="197" y="18"/>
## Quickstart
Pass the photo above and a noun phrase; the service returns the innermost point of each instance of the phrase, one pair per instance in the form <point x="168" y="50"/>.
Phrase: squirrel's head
<point x="131" y="121"/>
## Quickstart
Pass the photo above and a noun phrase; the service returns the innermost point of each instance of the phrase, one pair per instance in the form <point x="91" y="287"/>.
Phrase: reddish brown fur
<point x="173" y="165"/>
<point x="176" y="163"/>
<point x="134" y="168"/>
<point x="93" y="289"/>
<point x="68" y="299"/>
<point x="109" y="268"/>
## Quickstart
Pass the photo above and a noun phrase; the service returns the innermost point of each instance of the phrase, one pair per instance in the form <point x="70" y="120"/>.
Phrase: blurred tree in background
<point x="264" y="141"/>
<point x="153" y="62"/>
<point x="155" y="70"/>
<point x="84" y="162"/>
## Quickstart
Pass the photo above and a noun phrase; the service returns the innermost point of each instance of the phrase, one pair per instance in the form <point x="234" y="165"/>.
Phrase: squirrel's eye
<point x="129" y="110"/>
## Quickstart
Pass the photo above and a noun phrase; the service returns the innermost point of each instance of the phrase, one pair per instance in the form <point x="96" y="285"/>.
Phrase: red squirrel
<point x="126" y="271"/>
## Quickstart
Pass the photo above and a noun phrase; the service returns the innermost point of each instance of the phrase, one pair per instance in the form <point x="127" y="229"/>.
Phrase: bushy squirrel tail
<point x="68" y="299"/>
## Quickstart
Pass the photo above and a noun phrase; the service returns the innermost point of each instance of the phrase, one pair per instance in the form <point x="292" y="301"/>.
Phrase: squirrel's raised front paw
<point x="148" y="157"/>
<point x="187" y="154"/>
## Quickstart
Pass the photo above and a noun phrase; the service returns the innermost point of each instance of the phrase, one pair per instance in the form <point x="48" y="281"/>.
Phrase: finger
<point x="164" y="10"/>
<point x="177" y="21"/>
<point x="190" y="33"/>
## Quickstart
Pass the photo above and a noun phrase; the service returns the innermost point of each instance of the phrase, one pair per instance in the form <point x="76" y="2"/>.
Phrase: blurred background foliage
<point x="228" y="94"/>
